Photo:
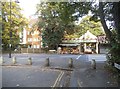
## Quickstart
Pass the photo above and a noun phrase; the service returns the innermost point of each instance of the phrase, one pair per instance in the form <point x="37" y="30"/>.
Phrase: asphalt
<point x="85" y="76"/>
<point x="58" y="74"/>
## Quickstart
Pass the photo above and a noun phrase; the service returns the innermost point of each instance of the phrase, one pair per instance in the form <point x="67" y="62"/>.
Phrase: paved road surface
<point x="37" y="75"/>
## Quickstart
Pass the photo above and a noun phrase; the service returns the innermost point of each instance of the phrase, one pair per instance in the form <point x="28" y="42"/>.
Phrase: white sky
<point x="28" y="6"/>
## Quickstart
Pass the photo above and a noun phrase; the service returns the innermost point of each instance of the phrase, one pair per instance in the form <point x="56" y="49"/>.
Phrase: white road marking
<point x="58" y="80"/>
<point x="79" y="84"/>
<point x="78" y="57"/>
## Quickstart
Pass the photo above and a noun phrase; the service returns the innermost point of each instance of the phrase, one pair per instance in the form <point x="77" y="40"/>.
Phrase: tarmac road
<point x="28" y="77"/>
<point x="37" y="75"/>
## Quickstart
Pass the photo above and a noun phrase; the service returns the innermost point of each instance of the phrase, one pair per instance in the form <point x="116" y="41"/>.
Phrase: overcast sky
<point x="29" y="7"/>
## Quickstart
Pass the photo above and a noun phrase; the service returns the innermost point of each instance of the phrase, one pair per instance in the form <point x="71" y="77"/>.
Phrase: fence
<point x="30" y="50"/>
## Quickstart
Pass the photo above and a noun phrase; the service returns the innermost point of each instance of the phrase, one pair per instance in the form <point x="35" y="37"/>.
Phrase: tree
<point x="85" y="24"/>
<point x="103" y="11"/>
<point x="17" y="21"/>
<point x="50" y="23"/>
<point x="57" y="18"/>
<point x="110" y="11"/>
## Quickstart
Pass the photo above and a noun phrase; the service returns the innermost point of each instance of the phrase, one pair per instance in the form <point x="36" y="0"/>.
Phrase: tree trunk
<point x="116" y="17"/>
<point x="102" y="19"/>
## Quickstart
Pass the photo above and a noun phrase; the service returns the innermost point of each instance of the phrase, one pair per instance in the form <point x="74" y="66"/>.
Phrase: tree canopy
<point x="17" y="23"/>
<point x="57" y="19"/>
<point x="85" y="24"/>
<point x="68" y="12"/>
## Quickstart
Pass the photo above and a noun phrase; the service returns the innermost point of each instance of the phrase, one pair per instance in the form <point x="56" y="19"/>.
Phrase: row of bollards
<point x="47" y="62"/>
<point x="14" y="60"/>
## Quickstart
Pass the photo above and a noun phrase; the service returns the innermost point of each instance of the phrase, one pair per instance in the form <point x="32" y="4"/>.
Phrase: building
<point x="33" y="39"/>
<point x="30" y="37"/>
<point x="103" y="44"/>
<point x="87" y="43"/>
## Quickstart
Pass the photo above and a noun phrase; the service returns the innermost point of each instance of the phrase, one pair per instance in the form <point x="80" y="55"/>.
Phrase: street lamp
<point x="10" y="45"/>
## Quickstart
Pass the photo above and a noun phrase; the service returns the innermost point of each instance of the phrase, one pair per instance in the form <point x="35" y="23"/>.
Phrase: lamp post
<point x="10" y="45"/>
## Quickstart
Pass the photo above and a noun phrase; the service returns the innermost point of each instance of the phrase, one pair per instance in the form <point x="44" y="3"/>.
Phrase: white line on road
<point x="79" y="84"/>
<point x="78" y="57"/>
<point x="58" y="80"/>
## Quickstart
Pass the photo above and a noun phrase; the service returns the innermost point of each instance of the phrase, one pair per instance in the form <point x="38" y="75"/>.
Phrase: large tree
<point x="12" y="21"/>
<point x="103" y="11"/>
<point x="114" y="16"/>
<point x="57" y="18"/>
<point x="110" y="12"/>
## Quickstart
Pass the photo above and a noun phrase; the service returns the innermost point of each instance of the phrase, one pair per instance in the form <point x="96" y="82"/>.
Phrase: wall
<point x="30" y="50"/>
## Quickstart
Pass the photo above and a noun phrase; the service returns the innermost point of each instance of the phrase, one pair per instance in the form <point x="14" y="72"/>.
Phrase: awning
<point x="69" y="44"/>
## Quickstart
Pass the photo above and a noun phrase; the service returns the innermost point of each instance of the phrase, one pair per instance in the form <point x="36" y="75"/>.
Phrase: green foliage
<point x="114" y="51"/>
<point x="57" y="19"/>
<point x="93" y="27"/>
<point x="52" y="38"/>
<point x="85" y="24"/>
<point x="17" y="22"/>
<point x="51" y="24"/>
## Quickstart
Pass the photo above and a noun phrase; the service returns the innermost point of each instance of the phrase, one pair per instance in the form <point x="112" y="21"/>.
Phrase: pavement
<point x="58" y="74"/>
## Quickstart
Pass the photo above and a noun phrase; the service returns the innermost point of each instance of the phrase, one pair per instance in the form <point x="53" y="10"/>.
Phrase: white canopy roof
<point x="88" y="36"/>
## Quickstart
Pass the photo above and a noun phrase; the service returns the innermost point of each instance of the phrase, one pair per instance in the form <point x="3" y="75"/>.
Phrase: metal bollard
<point x="1" y="60"/>
<point x="93" y="64"/>
<point x="30" y="61"/>
<point x="47" y="62"/>
<point x="70" y="62"/>
<point x="14" y="60"/>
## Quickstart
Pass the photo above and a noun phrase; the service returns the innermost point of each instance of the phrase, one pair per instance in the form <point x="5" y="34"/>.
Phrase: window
<point x="38" y="46"/>
<point x="34" y="46"/>
<point x="29" y="39"/>
<point x="29" y="46"/>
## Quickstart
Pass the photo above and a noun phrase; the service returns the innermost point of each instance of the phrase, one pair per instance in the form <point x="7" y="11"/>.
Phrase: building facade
<point x="33" y="39"/>
<point x="30" y="37"/>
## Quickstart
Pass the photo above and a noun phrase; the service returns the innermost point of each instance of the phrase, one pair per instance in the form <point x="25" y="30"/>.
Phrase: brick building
<point x="30" y="37"/>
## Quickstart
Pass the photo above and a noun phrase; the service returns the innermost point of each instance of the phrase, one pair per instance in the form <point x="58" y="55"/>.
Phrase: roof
<point x="88" y="36"/>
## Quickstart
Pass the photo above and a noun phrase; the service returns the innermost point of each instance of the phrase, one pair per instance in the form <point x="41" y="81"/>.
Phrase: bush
<point x="114" y="53"/>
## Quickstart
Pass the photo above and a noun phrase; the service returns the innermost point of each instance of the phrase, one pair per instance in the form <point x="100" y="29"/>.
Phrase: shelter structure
<point x="87" y="43"/>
